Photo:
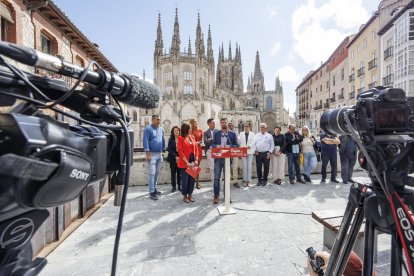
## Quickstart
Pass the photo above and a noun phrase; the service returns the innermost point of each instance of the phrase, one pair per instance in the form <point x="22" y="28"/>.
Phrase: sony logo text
<point x="78" y="174"/>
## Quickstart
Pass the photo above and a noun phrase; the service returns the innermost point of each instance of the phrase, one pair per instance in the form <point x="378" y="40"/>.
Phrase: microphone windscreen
<point x="141" y="94"/>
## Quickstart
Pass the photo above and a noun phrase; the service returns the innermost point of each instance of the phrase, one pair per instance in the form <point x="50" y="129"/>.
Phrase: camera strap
<point x="26" y="167"/>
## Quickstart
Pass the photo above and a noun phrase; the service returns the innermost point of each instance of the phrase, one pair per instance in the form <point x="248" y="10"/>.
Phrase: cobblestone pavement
<point x="170" y="237"/>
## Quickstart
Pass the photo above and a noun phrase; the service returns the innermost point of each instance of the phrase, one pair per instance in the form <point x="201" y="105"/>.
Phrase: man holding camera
<point x="329" y="146"/>
<point x="293" y="140"/>
<point x="154" y="145"/>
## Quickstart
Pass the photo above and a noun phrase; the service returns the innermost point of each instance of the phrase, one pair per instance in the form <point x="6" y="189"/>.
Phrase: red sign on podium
<point x="228" y="152"/>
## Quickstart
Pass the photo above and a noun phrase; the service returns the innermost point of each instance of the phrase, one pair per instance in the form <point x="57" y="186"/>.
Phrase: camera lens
<point x="333" y="121"/>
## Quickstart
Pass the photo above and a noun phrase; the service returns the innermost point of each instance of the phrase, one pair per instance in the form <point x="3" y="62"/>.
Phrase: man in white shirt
<point x="264" y="146"/>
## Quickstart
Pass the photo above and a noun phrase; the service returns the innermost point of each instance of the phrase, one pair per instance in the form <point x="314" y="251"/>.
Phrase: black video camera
<point x="379" y="110"/>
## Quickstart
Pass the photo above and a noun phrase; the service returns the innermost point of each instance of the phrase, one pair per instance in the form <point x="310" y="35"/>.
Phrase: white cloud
<point x="276" y="48"/>
<point x="288" y="74"/>
<point x="272" y="11"/>
<point x="317" y="31"/>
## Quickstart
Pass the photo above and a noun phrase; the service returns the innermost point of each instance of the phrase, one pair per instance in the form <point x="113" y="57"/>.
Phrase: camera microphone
<point x="126" y="88"/>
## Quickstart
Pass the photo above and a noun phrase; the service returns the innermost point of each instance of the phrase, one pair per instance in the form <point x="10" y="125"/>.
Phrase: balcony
<point x="361" y="90"/>
<point x="319" y="106"/>
<point x="351" y="77"/>
<point x="389" y="52"/>
<point x="332" y="100"/>
<point x="388" y="80"/>
<point x="326" y="105"/>
<point x="361" y="71"/>
<point x="373" y="63"/>
<point x="340" y="97"/>
<point x="372" y="85"/>
<point x="352" y="95"/>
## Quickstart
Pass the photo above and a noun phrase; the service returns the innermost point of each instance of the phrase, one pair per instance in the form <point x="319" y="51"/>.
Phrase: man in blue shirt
<point x="154" y="145"/>
<point x="329" y="145"/>
<point x="224" y="139"/>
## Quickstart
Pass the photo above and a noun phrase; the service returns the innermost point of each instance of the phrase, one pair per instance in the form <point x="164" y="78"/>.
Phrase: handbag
<point x="318" y="156"/>
<point x="193" y="171"/>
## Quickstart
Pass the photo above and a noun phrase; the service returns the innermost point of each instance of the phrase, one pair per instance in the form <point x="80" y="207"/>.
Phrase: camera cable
<point x="274" y="212"/>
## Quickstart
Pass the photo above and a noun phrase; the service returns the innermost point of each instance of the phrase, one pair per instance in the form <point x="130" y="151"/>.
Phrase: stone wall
<point x="139" y="171"/>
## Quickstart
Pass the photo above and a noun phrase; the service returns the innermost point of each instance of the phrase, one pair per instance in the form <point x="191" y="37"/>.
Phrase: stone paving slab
<point x="169" y="237"/>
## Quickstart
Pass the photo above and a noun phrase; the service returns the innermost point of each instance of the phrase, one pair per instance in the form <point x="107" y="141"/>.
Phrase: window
<point x="135" y="116"/>
<point x="188" y="90"/>
<point x="361" y="64"/>
<point x="79" y="61"/>
<point x="269" y="103"/>
<point x="352" y="55"/>
<point x="321" y="88"/>
<point x="374" y="34"/>
<point x="8" y="28"/>
<point x="333" y="80"/>
<point x="45" y="44"/>
<point x="342" y="74"/>
<point x="365" y="43"/>
<point x="168" y="90"/>
<point x="358" y="49"/>
<point x="188" y="75"/>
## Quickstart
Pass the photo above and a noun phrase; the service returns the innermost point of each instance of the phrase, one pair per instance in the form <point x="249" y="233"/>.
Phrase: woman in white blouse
<point x="246" y="139"/>
<point x="309" y="155"/>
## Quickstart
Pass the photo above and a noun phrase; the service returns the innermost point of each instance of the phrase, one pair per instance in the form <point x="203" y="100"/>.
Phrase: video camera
<point x="378" y="111"/>
<point x="44" y="162"/>
<point x="382" y="124"/>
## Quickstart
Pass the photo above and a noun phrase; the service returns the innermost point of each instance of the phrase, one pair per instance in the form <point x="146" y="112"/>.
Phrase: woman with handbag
<point x="172" y="158"/>
<point x="188" y="158"/>
<point x="197" y="133"/>
<point x="309" y="155"/>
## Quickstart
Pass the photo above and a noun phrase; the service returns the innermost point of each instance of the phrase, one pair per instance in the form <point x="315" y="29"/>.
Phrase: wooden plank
<point x="322" y="215"/>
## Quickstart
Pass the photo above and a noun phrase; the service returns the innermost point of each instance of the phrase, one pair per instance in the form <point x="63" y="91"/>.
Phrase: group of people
<point x="270" y="150"/>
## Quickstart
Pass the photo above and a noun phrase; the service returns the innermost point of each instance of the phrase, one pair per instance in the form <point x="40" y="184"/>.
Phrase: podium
<point x="227" y="153"/>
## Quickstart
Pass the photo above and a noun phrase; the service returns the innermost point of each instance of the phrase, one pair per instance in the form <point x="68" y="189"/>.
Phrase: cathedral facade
<point x="193" y="87"/>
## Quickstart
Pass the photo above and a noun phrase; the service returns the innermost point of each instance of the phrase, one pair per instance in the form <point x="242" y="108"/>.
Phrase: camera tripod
<point x="386" y="206"/>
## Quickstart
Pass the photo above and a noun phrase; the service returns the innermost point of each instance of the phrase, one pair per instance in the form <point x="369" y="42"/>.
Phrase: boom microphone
<point x="127" y="89"/>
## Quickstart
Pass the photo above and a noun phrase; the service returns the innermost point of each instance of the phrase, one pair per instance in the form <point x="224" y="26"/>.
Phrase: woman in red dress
<point x="198" y="137"/>
<point x="187" y="157"/>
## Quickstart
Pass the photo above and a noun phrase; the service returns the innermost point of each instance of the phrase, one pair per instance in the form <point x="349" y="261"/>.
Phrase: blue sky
<point x="292" y="37"/>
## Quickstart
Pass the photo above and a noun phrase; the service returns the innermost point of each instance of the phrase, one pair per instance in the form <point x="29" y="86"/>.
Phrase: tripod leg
<point x="340" y="237"/>
<point x="369" y="248"/>
<point x="396" y="253"/>
<point x="350" y="241"/>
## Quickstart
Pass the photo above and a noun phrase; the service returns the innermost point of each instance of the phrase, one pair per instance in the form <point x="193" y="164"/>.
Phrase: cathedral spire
<point x="189" y="47"/>
<point x="198" y="40"/>
<point x="210" y="54"/>
<point x="222" y="52"/>
<point x="159" y="45"/>
<point x="257" y="69"/>
<point x="240" y="61"/>
<point x="278" y="86"/>
<point x="236" y="57"/>
<point x="175" y="45"/>
<point x="230" y="55"/>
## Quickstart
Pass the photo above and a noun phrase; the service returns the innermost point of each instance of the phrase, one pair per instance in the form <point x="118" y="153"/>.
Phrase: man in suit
<point x="208" y="140"/>
<point x="225" y="139"/>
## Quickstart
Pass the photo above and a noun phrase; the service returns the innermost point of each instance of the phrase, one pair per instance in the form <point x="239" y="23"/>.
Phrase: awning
<point x="6" y="13"/>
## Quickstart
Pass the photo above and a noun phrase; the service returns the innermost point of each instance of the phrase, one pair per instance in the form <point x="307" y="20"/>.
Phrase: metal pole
<point x="226" y="185"/>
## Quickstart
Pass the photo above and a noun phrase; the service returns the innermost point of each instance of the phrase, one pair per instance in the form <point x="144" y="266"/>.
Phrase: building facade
<point x="194" y="86"/>
<point x="362" y="61"/>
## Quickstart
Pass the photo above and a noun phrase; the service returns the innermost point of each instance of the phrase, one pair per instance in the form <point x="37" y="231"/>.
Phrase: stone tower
<point x="229" y="75"/>
<point x="256" y="80"/>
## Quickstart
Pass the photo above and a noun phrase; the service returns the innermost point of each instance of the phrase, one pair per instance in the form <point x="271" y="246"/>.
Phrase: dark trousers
<point x="294" y="165"/>
<point x="218" y="168"/>
<point x="332" y="159"/>
<point x="187" y="182"/>
<point x="348" y="161"/>
<point x="175" y="175"/>
<point x="261" y="160"/>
